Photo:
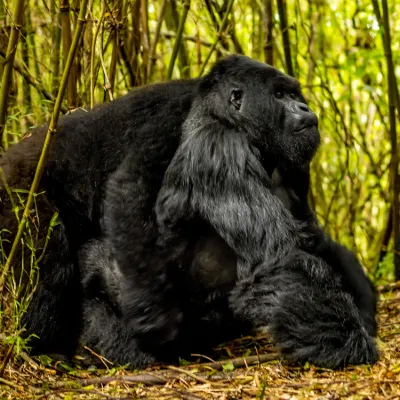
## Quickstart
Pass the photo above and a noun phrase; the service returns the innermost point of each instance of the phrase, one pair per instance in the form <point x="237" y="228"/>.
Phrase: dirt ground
<point x="249" y="370"/>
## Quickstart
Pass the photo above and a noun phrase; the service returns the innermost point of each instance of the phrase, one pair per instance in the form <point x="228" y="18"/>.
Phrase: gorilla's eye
<point x="279" y="95"/>
<point x="236" y="98"/>
<point x="292" y="95"/>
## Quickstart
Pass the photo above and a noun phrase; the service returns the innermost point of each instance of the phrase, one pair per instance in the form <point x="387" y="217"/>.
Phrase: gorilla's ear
<point x="236" y="98"/>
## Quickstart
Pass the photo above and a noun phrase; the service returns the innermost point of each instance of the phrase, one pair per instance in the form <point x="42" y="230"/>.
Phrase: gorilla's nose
<point x="304" y="115"/>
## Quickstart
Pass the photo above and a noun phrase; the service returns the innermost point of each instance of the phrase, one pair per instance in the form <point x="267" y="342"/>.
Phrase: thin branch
<point x="194" y="39"/>
<point x="146" y="379"/>
<point x="152" y="57"/>
<point x="177" y="43"/>
<point x="239" y="362"/>
<point x="219" y="35"/>
<point x="9" y="61"/>
<point x="194" y="376"/>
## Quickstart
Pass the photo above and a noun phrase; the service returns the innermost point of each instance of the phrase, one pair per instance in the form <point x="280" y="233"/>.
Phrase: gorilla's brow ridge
<point x="286" y="83"/>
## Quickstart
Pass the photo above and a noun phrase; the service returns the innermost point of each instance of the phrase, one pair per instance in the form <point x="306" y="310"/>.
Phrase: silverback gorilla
<point x="184" y="221"/>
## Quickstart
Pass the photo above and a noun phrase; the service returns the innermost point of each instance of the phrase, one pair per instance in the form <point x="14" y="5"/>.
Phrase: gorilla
<point x="183" y="221"/>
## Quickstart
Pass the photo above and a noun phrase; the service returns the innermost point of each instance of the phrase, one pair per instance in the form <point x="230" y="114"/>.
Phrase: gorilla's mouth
<point x="305" y="128"/>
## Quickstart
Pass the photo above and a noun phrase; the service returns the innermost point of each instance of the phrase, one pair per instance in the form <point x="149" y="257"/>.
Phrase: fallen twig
<point x="103" y="360"/>
<point x="388" y="287"/>
<point x="194" y="376"/>
<point x="146" y="379"/>
<point x="10" y="384"/>
<point x="239" y="362"/>
<point x="74" y="390"/>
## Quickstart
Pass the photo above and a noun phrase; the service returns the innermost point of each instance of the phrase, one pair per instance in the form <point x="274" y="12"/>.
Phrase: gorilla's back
<point x="90" y="145"/>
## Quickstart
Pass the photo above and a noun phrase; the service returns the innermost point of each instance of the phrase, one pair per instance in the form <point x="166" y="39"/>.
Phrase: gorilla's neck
<point x="269" y="163"/>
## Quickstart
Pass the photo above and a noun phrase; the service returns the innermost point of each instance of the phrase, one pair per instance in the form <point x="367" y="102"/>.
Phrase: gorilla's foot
<point x="323" y="328"/>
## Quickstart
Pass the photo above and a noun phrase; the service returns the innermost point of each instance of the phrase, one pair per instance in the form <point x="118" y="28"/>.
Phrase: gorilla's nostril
<point x="300" y="107"/>
<point x="304" y="108"/>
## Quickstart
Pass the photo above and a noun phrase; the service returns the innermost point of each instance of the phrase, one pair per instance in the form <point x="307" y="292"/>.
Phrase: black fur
<point x="301" y="301"/>
<point x="142" y="298"/>
<point x="208" y="319"/>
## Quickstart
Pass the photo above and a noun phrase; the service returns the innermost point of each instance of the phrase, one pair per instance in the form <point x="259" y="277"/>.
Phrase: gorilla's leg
<point x="55" y="311"/>
<point x="291" y="186"/>
<point x="207" y="317"/>
<point x="148" y="303"/>
<point x="301" y="303"/>
<point x="104" y="328"/>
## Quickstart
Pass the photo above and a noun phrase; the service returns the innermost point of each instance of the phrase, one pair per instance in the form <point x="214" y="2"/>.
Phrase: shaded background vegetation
<point x="335" y="48"/>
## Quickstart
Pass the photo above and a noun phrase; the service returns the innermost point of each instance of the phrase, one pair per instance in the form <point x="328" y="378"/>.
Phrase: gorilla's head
<point x="264" y="103"/>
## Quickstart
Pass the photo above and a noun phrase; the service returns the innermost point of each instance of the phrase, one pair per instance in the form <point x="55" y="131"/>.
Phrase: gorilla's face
<point x="267" y="105"/>
<point x="293" y="128"/>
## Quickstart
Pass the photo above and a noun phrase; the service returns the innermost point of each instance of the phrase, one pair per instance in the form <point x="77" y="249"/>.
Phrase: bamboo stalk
<point x="282" y="10"/>
<point x="92" y="73"/>
<point x="145" y="37"/>
<point x="177" y="43"/>
<point x="152" y="58"/>
<point x="136" y="43"/>
<point x="49" y="136"/>
<point x="129" y="68"/>
<point x="172" y="20"/>
<point x="32" y="43"/>
<point x="391" y="78"/>
<point x="8" y="63"/>
<point x="56" y="47"/>
<point x="116" y="40"/>
<point x="87" y="52"/>
<point x="381" y="23"/>
<point x="66" y="36"/>
<point x="268" y="32"/>
<point x="25" y="85"/>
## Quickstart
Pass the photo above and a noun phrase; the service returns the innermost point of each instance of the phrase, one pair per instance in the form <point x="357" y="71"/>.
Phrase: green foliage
<point x="228" y="367"/>
<point x="385" y="269"/>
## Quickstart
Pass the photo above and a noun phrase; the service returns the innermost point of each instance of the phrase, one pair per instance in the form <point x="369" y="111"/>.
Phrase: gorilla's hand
<point x="291" y="186"/>
<point x="300" y="301"/>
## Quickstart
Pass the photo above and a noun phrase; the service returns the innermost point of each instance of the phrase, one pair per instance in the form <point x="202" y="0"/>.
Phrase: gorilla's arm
<point x="306" y="311"/>
<point x="292" y="188"/>
<point x="354" y="279"/>
<point x="130" y="225"/>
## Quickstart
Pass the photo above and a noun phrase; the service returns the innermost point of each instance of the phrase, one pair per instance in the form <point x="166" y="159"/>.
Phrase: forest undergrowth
<point x="246" y="368"/>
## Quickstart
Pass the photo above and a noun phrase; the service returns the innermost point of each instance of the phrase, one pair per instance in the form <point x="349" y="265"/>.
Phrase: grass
<point x="274" y="379"/>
